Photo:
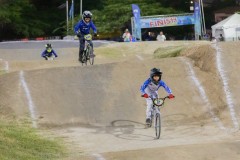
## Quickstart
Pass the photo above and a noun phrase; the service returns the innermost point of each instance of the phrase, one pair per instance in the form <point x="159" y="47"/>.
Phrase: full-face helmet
<point x="155" y="72"/>
<point x="48" y="47"/>
<point x="86" y="14"/>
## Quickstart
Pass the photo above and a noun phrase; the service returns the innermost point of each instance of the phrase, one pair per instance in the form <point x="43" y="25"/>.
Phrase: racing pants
<point x="153" y="94"/>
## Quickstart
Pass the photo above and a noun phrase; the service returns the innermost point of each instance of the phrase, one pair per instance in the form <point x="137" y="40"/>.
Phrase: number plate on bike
<point x="88" y="37"/>
<point x="158" y="101"/>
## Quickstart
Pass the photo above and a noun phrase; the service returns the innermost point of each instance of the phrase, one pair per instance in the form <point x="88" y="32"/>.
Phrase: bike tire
<point x="150" y="124"/>
<point x="158" y="125"/>
<point x="84" y="58"/>
<point x="90" y="53"/>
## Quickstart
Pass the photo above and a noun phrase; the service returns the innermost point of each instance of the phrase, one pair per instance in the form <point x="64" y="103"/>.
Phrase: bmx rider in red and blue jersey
<point x="150" y="89"/>
<point x="82" y="28"/>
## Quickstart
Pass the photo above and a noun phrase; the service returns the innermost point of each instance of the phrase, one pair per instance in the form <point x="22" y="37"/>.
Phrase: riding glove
<point x="145" y="95"/>
<point x="170" y="96"/>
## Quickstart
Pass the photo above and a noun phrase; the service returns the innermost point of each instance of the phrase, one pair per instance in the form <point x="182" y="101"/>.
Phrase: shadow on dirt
<point x="126" y="129"/>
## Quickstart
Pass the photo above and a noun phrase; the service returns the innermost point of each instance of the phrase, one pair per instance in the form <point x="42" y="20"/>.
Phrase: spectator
<point x="134" y="39"/>
<point x="161" y="37"/>
<point x="221" y="38"/>
<point x="126" y="36"/>
<point x="206" y="36"/>
<point x="145" y="35"/>
<point x="152" y="36"/>
<point x="213" y="39"/>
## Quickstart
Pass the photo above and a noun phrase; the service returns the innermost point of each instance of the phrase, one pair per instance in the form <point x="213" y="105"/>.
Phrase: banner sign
<point x="71" y="11"/>
<point x="167" y="21"/>
<point x="137" y="22"/>
<point x="197" y="17"/>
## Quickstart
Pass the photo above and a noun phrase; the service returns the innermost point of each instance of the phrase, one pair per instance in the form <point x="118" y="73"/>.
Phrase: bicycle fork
<point x="154" y="113"/>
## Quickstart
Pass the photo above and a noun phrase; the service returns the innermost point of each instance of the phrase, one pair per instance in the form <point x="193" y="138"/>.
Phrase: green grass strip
<point x="20" y="142"/>
<point x="171" y="51"/>
<point x="2" y="72"/>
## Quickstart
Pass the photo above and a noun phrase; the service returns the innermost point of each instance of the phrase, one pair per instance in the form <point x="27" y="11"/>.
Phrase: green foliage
<point x="21" y="18"/>
<point x="116" y="14"/>
<point x="21" y="142"/>
<point x="164" y="52"/>
<point x="12" y="15"/>
<point x="32" y="18"/>
<point x="2" y="72"/>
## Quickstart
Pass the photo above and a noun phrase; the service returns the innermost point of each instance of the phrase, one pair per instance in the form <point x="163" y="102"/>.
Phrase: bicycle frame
<point x="50" y="58"/>
<point x="86" y="45"/>
<point x="87" y="38"/>
<point x="157" y="104"/>
<point x="87" y="50"/>
<point x="155" y="110"/>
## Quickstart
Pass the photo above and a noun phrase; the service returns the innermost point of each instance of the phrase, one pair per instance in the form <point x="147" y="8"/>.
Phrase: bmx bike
<point x="49" y="58"/>
<point x="88" y="51"/>
<point x="156" y="115"/>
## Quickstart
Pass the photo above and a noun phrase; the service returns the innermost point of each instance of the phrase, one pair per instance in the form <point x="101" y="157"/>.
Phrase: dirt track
<point x="98" y="110"/>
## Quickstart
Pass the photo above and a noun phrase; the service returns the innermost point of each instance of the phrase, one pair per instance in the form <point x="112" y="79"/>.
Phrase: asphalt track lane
<point x="41" y="44"/>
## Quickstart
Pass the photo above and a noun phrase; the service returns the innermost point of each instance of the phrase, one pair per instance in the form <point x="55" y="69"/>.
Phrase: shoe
<point x="148" y="121"/>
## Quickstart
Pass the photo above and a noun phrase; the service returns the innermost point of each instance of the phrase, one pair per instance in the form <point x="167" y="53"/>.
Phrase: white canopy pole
<point x="204" y="27"/>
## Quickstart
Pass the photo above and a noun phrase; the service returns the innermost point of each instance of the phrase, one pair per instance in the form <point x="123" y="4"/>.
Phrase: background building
<point x="223" y="13"/>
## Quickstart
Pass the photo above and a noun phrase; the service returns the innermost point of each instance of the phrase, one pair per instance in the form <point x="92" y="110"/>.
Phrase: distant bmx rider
<point x="150" y="89"/>
<point x="82" y="28"/>
<point x="49" y="52"/>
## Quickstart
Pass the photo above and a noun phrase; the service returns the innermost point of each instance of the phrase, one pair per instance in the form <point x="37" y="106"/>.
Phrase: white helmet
<point x="86" y="14"/>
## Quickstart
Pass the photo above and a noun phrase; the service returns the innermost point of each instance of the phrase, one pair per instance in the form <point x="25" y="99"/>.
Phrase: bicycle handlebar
<point x="155" y="98"/>
<point x="158" y="101"/>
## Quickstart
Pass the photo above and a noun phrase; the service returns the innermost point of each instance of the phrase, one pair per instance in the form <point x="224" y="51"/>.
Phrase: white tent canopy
<point x="229" y="28"/>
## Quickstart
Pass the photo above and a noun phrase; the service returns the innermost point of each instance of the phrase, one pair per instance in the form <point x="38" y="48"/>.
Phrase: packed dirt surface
<point x="99" y="113"/>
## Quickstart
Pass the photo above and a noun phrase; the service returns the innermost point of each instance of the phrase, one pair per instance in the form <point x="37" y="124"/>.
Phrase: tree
<point x="31" y="18"/>
<point x="116" y="14"/>
<point x="14" y="19"/>
<point x="21" y="18"/>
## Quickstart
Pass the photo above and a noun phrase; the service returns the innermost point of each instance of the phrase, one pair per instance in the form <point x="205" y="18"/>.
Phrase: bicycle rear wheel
<point x="90" y="54"/>
<point x="158" y="125"/>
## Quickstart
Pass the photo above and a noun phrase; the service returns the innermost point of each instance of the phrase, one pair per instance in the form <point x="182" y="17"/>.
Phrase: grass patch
<point x="2" y="72"/>
<point x="171" y="51"/>
<point x="20" y="142"/>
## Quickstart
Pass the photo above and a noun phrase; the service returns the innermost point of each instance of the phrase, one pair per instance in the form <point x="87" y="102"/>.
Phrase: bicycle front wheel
<point x="84" y="58"/>
<point x="158" y="125"/>
<point x="90" y="55"/>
